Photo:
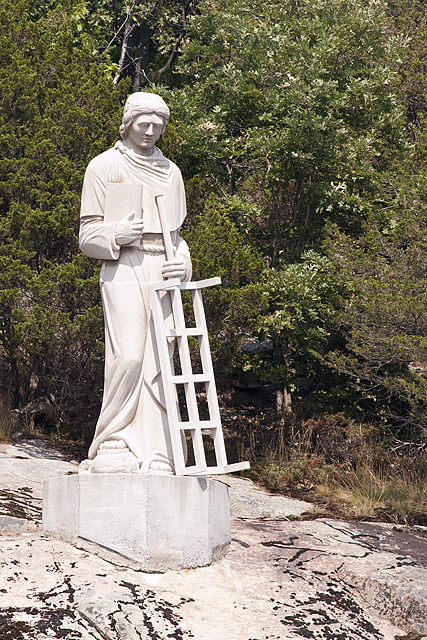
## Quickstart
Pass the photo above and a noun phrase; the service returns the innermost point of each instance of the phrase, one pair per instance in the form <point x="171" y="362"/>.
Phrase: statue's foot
<point x="158" y="464"/>
<point x="84" y="466"/>
<point x="163" y="467"/>
<point x="113" y="456"/>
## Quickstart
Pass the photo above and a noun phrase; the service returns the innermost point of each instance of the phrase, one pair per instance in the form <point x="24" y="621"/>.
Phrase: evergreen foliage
<point x="384" y="319"/>
<point x="217" y="249"/>
<point x="58" y="111"/>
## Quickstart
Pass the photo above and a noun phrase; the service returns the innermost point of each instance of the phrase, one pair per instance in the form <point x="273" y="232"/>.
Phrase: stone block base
<point x="147" y="522"/>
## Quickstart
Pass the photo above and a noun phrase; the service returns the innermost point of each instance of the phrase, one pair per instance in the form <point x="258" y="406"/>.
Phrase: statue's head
<point x="142" y="103"/>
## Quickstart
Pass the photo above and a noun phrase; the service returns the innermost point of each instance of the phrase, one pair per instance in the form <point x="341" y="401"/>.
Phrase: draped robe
<point x="133" y="407"/>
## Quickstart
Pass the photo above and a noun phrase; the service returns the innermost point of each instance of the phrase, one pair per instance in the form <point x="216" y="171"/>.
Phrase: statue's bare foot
<point x="113" y="456"/>
<point x="84" y="466"/>
<point x="156" y="465"/>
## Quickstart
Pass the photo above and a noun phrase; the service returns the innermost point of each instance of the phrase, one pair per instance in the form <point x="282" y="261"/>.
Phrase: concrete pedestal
<point x="147" y="522"/>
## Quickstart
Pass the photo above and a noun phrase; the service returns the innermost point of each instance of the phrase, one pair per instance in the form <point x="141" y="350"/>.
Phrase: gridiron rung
<point x="200" y="424"/>
<point x="176" y="333"/>
<point x="193" y="377"/>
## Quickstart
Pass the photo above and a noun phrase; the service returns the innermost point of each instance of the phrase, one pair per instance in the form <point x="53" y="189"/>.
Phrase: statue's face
<point x="144" y="131"/>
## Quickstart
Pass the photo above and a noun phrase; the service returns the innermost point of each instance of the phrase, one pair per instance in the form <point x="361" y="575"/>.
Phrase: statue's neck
<point x="139" y="151"/>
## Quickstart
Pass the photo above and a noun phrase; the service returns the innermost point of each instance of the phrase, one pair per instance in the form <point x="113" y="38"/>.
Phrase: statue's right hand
<point x="129" y="229"/>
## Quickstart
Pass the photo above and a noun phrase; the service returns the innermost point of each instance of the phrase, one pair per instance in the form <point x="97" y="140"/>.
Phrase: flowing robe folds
<point x="133" y="403"/>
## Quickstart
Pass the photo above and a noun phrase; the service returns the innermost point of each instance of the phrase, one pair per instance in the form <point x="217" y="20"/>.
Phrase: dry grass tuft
<point x="396" y="492"/>
<point x="360" y="492"/>
<point x="347" y="470"/>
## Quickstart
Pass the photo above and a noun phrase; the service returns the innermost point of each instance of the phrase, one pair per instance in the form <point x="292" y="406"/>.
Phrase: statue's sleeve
<point x="183" y="250"/>
<point x="96" y="238"/>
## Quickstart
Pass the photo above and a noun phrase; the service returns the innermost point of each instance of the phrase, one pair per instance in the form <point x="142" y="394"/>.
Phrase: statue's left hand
<point x="175" y="268"/>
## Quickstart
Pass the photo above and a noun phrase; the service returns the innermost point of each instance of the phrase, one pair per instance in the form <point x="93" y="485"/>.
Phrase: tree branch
<point x="125" y="21"/>
<point x="172" y="56"/>
<point x="127" y="34"/>
<point x="174" y="53"/>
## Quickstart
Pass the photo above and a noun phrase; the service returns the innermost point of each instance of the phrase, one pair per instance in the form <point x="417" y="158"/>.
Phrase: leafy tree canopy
<point x="288" y="105"/>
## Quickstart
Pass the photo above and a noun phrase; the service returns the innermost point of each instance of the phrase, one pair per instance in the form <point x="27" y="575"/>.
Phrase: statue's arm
<point x="97" y="238"/>
<point x="183" y="251"/>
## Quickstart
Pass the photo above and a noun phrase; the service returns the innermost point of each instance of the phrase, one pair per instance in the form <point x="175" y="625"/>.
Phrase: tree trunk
<point x="284" y="409"/>
<point x="124" y="52"/>
<point x="283" y="402"/>
<point x="143" y="34"/>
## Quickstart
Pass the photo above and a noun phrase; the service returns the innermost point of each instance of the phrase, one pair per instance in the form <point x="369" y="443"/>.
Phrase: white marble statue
<point x="132" y="430"/>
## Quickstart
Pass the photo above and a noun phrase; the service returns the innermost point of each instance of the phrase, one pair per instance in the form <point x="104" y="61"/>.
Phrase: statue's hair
<point x="140" y="103"/>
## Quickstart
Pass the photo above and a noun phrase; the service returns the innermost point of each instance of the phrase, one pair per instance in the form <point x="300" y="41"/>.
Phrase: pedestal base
<point x="146" y="522"/>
